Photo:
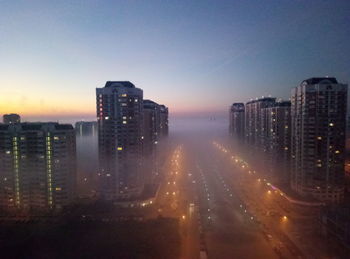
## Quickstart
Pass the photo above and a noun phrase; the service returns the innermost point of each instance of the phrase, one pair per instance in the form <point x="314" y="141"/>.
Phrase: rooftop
<point x="263" y="99"/>
<point x="36" y="126"/>
<point x="321" y="80"/>
<point x="127" y="84"/>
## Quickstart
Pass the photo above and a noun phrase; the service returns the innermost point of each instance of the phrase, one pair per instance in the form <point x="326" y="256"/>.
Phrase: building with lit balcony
<point x="318" y="115"/>
<point x="37" y="165"/>
<point x="237" y="125"/>
<point x="120" y="125"/>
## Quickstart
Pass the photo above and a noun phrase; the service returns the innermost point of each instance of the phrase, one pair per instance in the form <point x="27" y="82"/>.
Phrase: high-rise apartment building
<point x="37" y="165"/>
<point x="278" y="127"/>
<point x="11" y="118"/>
<point x="237" y="121"/>
<point x="255" y="131"/>
<point x="164" y="120"/>
<point x="151" y="136"/>
<point x="119" y="115"/>
<point x="318" y="113"/>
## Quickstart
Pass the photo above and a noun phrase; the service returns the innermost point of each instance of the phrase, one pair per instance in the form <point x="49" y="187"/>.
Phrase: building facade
<point x="37" y="165"/>
<point x="120" y="126"/>
<point x="164" y="120"/>
<point x="255" y="129"/>
<point x="151" y="136"/>
<point x="318" y="115"/>
<point x="237" y="114"/>
<point x="278" y="142"/>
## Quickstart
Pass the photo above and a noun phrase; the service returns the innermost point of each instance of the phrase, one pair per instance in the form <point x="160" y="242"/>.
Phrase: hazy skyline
<point x="194" y="57"/>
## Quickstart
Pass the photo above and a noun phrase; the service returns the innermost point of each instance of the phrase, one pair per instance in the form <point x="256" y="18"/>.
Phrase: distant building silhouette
<point x="86" y="128"/>
<point x="37" y="165"/>
<point x="11" y="118"/>
<point x="318" y="110"/>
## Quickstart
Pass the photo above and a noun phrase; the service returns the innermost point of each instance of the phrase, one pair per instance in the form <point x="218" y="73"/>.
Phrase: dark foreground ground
<point x="158" y="238"/>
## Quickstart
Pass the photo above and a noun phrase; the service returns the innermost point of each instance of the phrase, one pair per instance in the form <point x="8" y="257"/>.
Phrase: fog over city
<point x="175" y="129"/>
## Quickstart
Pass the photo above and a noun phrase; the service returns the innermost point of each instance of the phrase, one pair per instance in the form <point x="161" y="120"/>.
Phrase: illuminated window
<point x="106" y="118"/>
<point x="319" y="138"/>
<point x="124" y="95"/>
<point x="56" y="138"/>
<point x="337" y="151"/>
<point x="58" y="189"/>
<point x="124" y="122"/>
<point x="331" y="124"/>
<point x="119" y="148"/>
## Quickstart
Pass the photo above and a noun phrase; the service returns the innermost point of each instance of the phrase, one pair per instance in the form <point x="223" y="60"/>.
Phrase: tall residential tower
<point x="278" y="128"/>
<point x="255" y="132"/>
<point x="237" y="120"/>
<point x="151" y="136"/>
<point x="119" y="115"/>
<point x="318" y="113"/>
<point x="37" y="165"/>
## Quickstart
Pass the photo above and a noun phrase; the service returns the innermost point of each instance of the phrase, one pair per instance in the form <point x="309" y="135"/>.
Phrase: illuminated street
<point x="225" y="208"/>
<point x="212" y="220"/>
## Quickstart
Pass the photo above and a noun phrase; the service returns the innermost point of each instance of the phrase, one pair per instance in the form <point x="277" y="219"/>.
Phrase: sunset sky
<point x="197" y="57"/>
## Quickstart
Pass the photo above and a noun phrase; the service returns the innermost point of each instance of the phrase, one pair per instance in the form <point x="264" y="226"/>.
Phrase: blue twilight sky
<point x="194" y="56"/>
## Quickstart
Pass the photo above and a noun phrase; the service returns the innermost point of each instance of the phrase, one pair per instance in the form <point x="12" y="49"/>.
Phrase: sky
<point x="196" y="57"/>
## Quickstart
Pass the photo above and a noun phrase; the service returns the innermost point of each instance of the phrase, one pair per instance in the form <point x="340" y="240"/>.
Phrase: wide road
<point x="212" y="219"/>
<point x="227" y="230"/>
<point x="223" y="211"/>
<point x="176" y="198"/>
<point x="293" y="229"/>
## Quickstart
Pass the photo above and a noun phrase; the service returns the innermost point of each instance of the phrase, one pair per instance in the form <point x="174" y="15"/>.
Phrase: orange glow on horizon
<point x="64" y="105"/>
